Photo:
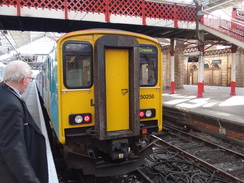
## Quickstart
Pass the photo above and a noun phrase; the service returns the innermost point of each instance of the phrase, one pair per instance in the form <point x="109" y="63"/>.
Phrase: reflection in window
<point x="148" y="65"/>
<point x="77" y="64"/>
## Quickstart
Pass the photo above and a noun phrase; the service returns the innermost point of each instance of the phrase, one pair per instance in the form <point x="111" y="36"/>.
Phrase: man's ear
<point x="24" y="81"/>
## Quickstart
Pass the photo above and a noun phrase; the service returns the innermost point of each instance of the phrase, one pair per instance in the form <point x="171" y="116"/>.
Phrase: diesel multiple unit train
<point x="102" y="90"/>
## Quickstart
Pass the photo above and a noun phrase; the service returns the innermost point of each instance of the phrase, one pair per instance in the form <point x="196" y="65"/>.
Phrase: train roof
<point x="106" y="31"/>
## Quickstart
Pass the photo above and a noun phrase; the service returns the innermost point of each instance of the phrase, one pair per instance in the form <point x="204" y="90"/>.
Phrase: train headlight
<point x="78" y="119"/>
<point x="83" y="118"/>
<point x="147" y="113"/>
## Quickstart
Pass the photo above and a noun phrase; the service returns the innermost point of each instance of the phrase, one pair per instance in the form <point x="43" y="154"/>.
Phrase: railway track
<point x="187" y="156"/>
<point x="168" y="164"/>
<point x="190" y="157"/>
<point x="226" y="162"/>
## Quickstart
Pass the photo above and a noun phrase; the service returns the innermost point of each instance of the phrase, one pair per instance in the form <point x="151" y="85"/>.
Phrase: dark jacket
<point x="22" y="145"/>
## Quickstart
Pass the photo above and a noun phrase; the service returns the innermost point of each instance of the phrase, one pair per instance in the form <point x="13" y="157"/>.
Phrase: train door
<point x="117" y="88"/>
<point x="116" y="85"/>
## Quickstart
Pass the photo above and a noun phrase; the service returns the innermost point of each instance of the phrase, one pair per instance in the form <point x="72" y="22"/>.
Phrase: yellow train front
<point x="103" y="92"/>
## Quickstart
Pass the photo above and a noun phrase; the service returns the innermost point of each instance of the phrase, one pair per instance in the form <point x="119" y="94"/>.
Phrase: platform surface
<point x="216" y="101"/>
<point x="32" y="101"/>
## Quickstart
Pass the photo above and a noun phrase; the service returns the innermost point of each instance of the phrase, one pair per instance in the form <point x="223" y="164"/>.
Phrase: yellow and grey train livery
<point x="103" y="92"/>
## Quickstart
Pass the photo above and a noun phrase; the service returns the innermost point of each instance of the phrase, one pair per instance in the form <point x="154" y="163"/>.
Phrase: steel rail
<point x="206" y="142"/>
<point x="201" y="162"/>
<point x="143" y="175"/>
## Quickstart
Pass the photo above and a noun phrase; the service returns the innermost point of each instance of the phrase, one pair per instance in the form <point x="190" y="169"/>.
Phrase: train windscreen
<point x="148" y="65"/>
<point x="77" y="59"/>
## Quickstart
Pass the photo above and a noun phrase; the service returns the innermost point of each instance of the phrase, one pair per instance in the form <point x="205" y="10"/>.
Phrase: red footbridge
<point x="162" y="20"/>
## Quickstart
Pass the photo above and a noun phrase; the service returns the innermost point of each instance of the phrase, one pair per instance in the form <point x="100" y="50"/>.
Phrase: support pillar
<point x="200" y="37"/>
<point x="172" y="59"/>
<point x="232" y="88"/>
<point x="200" y="71"/>
<point x="200" y="76"/>
<point x="199" y="89"/>
<point x="233" y="70"/>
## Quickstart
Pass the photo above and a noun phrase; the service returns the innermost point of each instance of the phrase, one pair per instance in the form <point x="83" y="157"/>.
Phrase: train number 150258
<point x="147" y="96"/>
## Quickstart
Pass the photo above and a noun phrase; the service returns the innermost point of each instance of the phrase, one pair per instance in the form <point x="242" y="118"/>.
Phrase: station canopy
<point x="16" y="43"/>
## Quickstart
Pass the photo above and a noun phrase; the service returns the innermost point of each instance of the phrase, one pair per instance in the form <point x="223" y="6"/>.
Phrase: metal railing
<point x="232" y="27"/>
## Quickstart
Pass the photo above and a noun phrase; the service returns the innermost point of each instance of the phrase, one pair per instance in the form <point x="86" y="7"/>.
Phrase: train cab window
<point x="77" y="58"/>
<point x="148" y="65"/>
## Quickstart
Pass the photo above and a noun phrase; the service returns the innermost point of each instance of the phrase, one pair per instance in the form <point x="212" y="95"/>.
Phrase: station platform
<point x="217" y="111"/>
<point x="33" y="104"/>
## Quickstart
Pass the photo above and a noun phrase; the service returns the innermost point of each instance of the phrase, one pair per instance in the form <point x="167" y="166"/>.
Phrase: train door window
<point x="77" y="59"/>
<point x="148" y="65"/>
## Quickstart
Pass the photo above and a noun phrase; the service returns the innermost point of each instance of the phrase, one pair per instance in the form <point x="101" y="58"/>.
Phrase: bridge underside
<point x="64" y="26"/>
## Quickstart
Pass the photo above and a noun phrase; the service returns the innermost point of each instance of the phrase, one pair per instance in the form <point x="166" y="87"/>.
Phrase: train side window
<point x="77" y="59"/>
<point x="148" y="65"/>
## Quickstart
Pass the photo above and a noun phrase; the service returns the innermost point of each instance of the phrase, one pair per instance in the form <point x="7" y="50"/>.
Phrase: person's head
<point x="17" y="74"/>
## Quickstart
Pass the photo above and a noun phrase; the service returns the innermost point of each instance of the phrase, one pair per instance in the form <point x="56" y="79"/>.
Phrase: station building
<point x="217" y="67"/>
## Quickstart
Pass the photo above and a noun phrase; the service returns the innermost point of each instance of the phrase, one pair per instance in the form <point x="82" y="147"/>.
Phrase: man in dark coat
<point x="22" y="145"/>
